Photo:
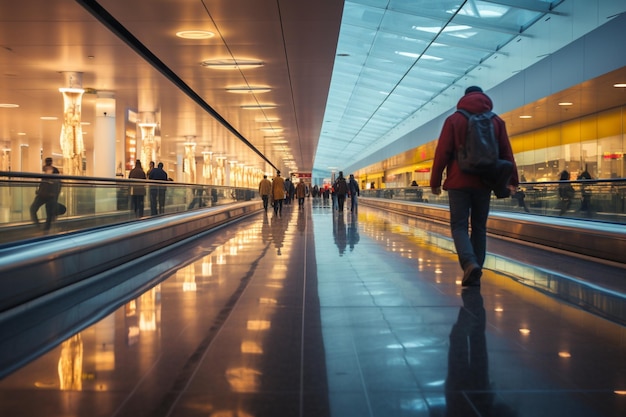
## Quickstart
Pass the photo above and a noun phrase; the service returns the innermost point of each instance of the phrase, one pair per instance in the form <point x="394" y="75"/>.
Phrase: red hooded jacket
<point x="453" y="133"/>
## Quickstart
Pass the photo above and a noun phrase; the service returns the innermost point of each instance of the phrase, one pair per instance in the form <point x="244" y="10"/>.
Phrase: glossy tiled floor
<point x="318" y="314"/>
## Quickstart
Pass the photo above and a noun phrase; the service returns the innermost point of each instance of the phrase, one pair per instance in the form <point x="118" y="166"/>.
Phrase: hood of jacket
<point x="475" y="102"/>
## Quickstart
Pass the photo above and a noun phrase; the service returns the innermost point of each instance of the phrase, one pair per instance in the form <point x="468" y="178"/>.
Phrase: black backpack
<point x="479" y="154"/>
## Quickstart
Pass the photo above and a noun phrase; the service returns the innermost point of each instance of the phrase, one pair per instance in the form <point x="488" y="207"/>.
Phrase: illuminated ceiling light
<point x="525" y="116"/>
<point x="267" y="119"/>
<point x="245" y="89"/>
<point x="565" y="355"/>
<point x="415" y="56"/>
<point x="484" y="11"/>
<point x="619" y="85"/>
<point x="49" y="118"/>
<point x="407" y="54"/>
<point x="9" y="105"/>
<point x="195" y="34"/>
<point x="271" y="129"/>
<point x="524" y="331"/>
<point x="258" y="106"/>
<point x="231" y="64"/>
<point x="566" y="103"/>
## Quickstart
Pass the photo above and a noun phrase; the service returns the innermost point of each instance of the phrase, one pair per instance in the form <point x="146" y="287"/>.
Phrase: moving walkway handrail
<point x="595" y="200"/>
<point x="90" y="202"/>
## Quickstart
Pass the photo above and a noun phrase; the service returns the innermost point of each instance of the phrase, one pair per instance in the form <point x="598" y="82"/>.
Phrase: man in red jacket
<point x="468" y="195"/>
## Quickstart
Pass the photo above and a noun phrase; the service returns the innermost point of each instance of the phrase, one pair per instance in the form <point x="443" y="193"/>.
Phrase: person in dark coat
<point x="353" y="189"/>
<point x="341" y="189"/>
<point x="157" y="192"/>
<point x="137" y="192"/>
<point x="48" y="195"/>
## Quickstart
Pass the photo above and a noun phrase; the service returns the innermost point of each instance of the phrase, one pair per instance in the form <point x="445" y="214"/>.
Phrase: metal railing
<point x="597" y="200"/>
<point x="86" y="202"/>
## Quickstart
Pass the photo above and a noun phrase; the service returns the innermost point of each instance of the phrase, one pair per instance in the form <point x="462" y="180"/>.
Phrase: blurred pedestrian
<point x="265" y="189"/>
<point x="278" y="193"/>
<point x="301" y="192"/>
<point x="341" y="189"/>
<point x="353" y="190"/>
<point x="585" y="191"/>
<point x="47" y="194"/>
<point x="157" y="193"/>
<point x="137" y="191"/>
<point x="565" y="191"/>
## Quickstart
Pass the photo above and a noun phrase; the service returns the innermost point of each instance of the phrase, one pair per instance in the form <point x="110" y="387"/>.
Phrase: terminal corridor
<point x="318" y="313"/>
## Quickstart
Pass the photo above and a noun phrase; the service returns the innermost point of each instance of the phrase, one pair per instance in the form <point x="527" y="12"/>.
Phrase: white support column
<point x="104" y="150"/>
<point x="104" y="137"/>
<point x="190" y="160"/>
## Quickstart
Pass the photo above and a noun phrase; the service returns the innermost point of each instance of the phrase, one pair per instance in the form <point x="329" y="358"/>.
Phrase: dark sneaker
<point x="471" y="275"/>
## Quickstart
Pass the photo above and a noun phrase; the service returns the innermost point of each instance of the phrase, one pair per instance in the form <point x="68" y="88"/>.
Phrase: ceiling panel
<point x="341" y="86"/>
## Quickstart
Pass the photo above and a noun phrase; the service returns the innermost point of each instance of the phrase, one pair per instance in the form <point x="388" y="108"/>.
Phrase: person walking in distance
<point x="265" y="189"/>
<point x="353" y="189"/>
<point x="157" y="193"/>
<point x="341" y="189"/>
<point x="469" y="197"/>
<point x="301" y="192"/>
<point x="47" y="194"/>
<point x="138" y="191"/>
<point x="278" y="193"/>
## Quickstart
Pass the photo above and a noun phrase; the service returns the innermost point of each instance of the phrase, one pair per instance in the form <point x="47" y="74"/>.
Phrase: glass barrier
<point x="34" y="205"/>
<point x="599" y="200"/>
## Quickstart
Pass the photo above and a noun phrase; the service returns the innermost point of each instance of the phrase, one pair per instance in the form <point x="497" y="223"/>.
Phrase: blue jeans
<point x="354" y="202"/>
<point x="469" y="206"/>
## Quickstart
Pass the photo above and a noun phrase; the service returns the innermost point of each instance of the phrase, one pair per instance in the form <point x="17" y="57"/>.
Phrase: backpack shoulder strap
<point x="467" y="114"/>
<point x="464" y="113"/>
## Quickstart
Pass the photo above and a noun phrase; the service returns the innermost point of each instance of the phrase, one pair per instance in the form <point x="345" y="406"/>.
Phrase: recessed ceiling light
<point x="195" y="34"/>
<point x="231" y="64"/>
<point x="9" y="105"/>
<point x="271" y="129"/>
<point x="525" y="117"/>
<point x="49" y="118"/>
<point x="267" y="119"/>
<point x="620" y="85"/>
<point x="566" y="103"/>
<point x="258" y="106"/>
<point x="245" y="89"/>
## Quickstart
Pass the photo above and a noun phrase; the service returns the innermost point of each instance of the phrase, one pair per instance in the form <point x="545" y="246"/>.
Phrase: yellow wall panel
<point x="589" y="128"/>
<point x="553" y="136"/>
<point x="540" y="139"/>
<point x="521" y="143"/>
<point x="610" y="123"/>
<point x="570" y="132"/>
